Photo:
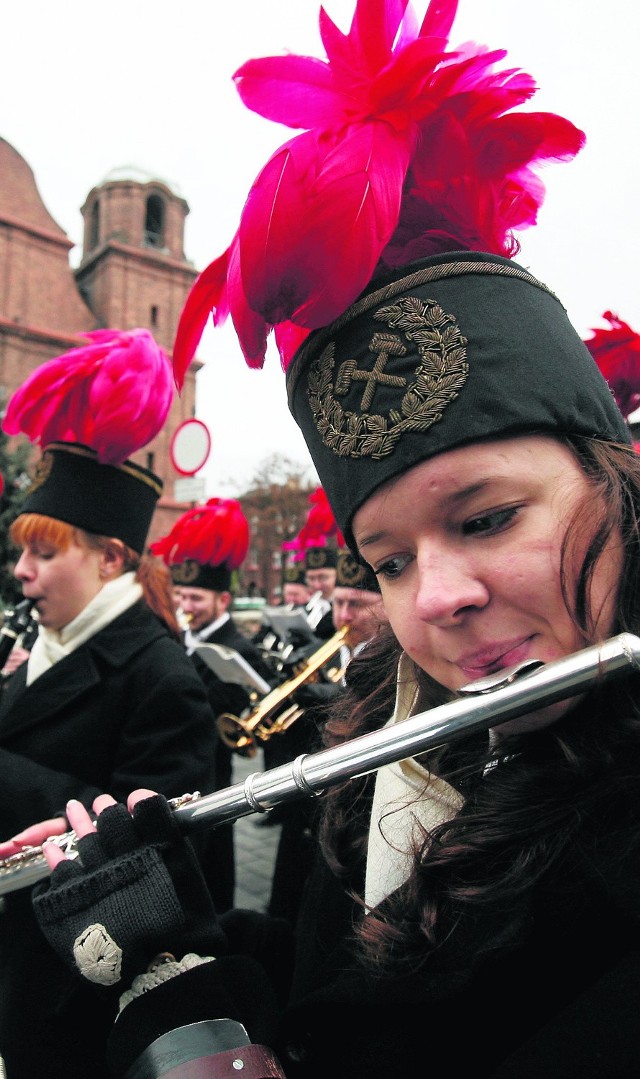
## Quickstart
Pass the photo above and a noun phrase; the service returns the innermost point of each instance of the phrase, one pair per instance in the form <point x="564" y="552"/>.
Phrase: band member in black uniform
<point x="479" y="903"/>
<point x="106" y="667"/>
<point x="320" y="574"/>
<point x="296" y="592"/>
<point x="203" y="551"/>
<point x="357" y="605"/>
<point x="319" y="540"/>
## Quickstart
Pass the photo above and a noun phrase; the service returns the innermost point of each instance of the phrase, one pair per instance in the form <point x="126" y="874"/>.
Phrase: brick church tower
<point x="133" y="273"/>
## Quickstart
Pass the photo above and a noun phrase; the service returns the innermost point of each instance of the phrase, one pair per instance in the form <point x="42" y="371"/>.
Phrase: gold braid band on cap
<point x="391" y="290"/>
<point x="75" y="449"/>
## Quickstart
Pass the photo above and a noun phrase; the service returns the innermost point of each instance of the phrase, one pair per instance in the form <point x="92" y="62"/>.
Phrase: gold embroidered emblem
<point x="437" y="380"/>
<point x="350" y="572"/>
<point x="186" y="572"/>
<point x="42" y="471"/>
<point x="315" y="559"/>
<point x="291" y="573"/>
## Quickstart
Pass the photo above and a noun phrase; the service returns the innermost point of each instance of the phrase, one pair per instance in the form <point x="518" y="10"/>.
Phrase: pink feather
<point x="616" y="350"/>
<point x="406" y="148"/>
<point x="207" y="296"/>
<point x="320" y="524"/>
<point x="112" y="395"/>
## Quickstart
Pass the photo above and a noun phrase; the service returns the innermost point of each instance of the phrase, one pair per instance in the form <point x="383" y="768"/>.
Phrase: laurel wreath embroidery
<point x="438" y="379"/>
<point x="316" y="559"/>
<point x="185" y="572"/>
<point x="350" y="572"/>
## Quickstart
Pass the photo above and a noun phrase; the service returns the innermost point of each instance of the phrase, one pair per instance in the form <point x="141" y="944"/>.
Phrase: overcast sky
<point x="85" y="88"/>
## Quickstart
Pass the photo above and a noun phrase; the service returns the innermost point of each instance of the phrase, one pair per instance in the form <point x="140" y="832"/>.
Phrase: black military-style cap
<point x="72" y="485"/>
<point x="451" y="349"/>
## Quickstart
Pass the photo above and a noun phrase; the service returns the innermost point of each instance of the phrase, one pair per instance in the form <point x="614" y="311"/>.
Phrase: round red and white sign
<point x="190" y="446"/>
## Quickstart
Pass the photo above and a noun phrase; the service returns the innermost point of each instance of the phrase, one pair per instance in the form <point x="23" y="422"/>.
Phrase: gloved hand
<point x="135" y="890"/>
<point x="316" y="694"/>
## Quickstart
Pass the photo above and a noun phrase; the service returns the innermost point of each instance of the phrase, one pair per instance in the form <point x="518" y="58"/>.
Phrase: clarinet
<point x="17" y="626"/>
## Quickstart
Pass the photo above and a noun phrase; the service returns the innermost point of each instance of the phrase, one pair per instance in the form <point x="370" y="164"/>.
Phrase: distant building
<point x="133" y="273"/>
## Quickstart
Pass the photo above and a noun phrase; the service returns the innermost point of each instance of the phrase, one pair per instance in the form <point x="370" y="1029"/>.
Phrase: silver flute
<point x="485" y="703"/>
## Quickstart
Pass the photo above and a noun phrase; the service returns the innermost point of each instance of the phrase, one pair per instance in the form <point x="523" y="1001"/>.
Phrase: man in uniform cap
<point x="357" y="605"/>
<point x="296" y="591"/>
<point x="203" y="550"/>
<point x="319" y="539"/>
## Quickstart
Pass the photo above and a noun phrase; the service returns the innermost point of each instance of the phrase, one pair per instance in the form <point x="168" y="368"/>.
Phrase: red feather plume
<point x="406" y="149"/>
<point x="616" y="350"/>
<point x="320" y="525"/>
<point x="215" y="534"/>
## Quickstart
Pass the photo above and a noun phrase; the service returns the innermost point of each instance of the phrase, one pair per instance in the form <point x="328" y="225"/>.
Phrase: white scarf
<point x="52" y="645"/>
<point x="398" y="818"/>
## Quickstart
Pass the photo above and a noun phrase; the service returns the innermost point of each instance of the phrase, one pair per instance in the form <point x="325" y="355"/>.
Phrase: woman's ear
<point x="112" y="560"/>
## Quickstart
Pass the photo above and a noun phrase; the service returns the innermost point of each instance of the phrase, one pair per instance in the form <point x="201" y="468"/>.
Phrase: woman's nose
<point x="449" y="586"/>
<point x="22" y="569"/>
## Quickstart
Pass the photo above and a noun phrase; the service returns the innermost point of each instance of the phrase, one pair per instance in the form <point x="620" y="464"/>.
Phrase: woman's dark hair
<point x="484" y="862"/>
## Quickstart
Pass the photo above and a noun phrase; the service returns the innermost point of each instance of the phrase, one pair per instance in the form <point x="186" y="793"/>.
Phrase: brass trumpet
<point x="269" y="716"/>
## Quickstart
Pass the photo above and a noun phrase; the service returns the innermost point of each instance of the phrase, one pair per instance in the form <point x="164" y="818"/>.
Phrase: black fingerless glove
<point x="135" y="890"/>
<point x="316" y="694"/>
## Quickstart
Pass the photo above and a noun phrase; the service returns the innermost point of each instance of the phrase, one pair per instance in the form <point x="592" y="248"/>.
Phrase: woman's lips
<point x="494" y="659"/>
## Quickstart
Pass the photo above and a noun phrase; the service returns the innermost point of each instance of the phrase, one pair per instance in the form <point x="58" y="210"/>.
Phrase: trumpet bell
<point x="241" y="735"/>
<point x="273" y="715"/>
<point x="236" y="735"/>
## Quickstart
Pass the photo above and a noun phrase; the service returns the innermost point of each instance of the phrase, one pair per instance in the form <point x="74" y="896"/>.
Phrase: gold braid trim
<point x="386" y="292"/>
<point x="130" y="467"/>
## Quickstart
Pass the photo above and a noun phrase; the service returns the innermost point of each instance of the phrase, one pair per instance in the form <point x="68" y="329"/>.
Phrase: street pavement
<point x="255" y="845"/>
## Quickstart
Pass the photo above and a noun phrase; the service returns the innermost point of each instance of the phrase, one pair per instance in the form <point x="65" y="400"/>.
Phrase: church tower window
<point x="94" y="225"/>
<point x="154" y="222"/>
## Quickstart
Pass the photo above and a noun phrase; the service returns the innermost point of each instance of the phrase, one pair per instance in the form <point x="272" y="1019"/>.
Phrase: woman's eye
<point x="490" y="523"/>
<point x="392" y="567"/>
<point x="45" y="554"/>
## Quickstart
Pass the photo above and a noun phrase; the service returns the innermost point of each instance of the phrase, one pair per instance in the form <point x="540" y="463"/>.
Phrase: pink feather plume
<point x="407" y="148"/>
<point x="112" y="395"/>
<point x="616" y="350"/>
<point x="320" y="525"/>
<point x="215" y="534"/>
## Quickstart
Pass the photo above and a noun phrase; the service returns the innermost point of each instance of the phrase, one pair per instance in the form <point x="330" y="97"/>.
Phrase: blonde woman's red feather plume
<point x="407" y="148"/>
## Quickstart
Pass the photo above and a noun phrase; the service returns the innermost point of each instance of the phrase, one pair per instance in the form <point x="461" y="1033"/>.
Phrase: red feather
<point x="616" y="350"/>
<point x="215" y="534"/>
<point x="208" y="296"/>
<point x="406" y="149"/>
<point x="320" y="525"/>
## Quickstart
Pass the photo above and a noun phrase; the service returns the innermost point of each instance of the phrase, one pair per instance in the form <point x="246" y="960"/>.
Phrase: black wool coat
<point x="124" y="710"/>
<point x="563" y="1004"/>
<point x="558" y="1000"/>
